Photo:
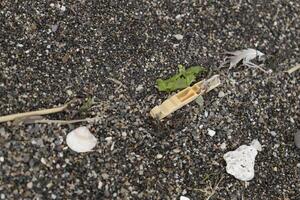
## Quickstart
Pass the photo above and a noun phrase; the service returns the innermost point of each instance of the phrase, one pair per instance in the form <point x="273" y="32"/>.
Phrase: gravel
<point x="52" y="52"/>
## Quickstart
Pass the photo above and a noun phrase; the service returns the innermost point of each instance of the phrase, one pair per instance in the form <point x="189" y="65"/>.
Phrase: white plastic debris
<point x="81" y="140"/>
<point x="255" y="143"/>
<point x="178" y="36"/>
<point x="211" y="132"/>
<point x="240" y="163"/>
<point x="184" y="198"/>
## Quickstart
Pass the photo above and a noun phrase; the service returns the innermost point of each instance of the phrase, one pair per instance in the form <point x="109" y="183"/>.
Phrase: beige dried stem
<point x="12" y="117"/>
<point x="293" y="69"/>
<point x="61" y="122"/>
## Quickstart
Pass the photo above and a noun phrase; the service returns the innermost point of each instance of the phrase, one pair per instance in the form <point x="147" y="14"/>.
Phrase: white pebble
<point x="29" y="185"/>
<point x="139" y="88"/>
<point x="223" y="146"/>
<point x="221" y="94"/>
<point x="124" y="134"/>
<point x="211" y="132"/>
<point x="100" y="184"/>
<point x="273" y="133"/>
<point x="178" y="36"/>
<point x="43" y="160"/>
<point x="63" y="8"/>
<point x="159" y="156"/>
<point x="1" y="159"/>
<point x="255" y="143"/>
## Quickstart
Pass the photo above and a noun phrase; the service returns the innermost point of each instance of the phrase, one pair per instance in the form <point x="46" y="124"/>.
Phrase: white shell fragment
<point x="184" y="198"/>
<point x="81" y="140"/>
<point x="240" y="163"/>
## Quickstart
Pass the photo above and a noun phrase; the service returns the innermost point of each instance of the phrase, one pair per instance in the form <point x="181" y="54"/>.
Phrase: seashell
<point x="81" y="140"/>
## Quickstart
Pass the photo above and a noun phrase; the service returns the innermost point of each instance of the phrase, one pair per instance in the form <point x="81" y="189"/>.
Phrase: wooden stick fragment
<point x="33" y="113"/>
<point x="184" y="97"/>
<point x="61" y="122"/>
<point x="293" y="69"/>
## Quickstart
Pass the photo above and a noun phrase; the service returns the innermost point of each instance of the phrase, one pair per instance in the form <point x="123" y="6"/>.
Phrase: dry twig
<point x="293" y="69"/>
<point x="33" y="113"/>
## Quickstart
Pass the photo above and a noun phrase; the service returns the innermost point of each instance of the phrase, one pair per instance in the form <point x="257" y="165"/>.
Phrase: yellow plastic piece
<point x="184" y="97"/>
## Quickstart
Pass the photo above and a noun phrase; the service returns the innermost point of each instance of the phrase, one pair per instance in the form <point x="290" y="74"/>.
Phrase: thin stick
<point x="117" y="82"/>
<point x="62" y="122"/>
<point x="293" y="69"/>
<point x="33" y="113"/>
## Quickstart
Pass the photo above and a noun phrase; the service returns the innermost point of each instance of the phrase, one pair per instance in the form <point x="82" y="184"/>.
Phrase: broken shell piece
<point x="240" y="163"/>
<point x="184" y="97"/>
<point x="81" y="140"/>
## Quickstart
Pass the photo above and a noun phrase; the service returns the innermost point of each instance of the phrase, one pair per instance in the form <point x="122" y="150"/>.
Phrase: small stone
<point x="139" y="88"/>
<point x="63" y="8"/>
<point x="275" y="169"/>
<point x="124" y="134"/>
<point x="54" y="28"/>
<point x="108" y="140"/>
<point x="105" y="176"/>
<point x="159" y="156"/>
<point x="223" y="146"/>
<point x="273" y="133"/>
<point x="100" y="185"/>
<point x="179" y="17"/>
<point x="29" y="185"/>
<point x="200" y="101"/>
<point x="205" y="114"/>
<point x="297" y="139"/>
<point x="2" y="196"/>
<point x="1" y="159"/>
<point x="176" y="150"/>
<point x="255" y="143"/>
<point x="221" y="94"/>
<point x="69" y="92"/>
<point x="43" y="160"/>
<point x="178" y="36"/>
<point x="211" y="132"/>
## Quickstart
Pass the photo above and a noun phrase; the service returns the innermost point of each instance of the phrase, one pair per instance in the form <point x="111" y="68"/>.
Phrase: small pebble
<point x="273" y="133"/>
<point x="211" y="132"/>
<point x="1" y="159"/>
<point x="178" y="36"/>
<point x="221" y="94"/>
<point x="223" y="146"/>
<point x="255" y="143"/>
<point x="297" y="139"/>
<point x="139" y="88"/>
<point x="159" y="156"/>
<point x="29" y="185"/>
<point x="100" y="184"/>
